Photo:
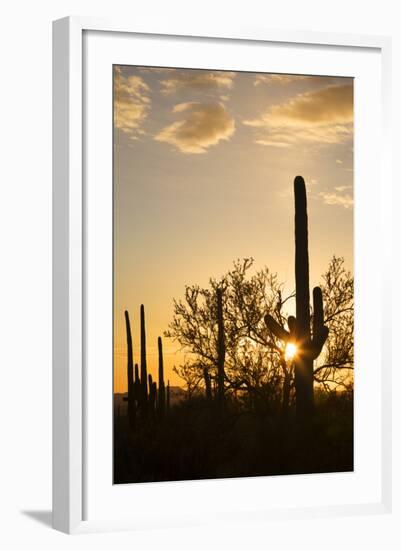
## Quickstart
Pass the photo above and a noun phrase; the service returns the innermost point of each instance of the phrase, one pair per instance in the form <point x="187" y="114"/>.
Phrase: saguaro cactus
<point x="152" y="394"/>
<point x="221" y="347"/>
<point x="137" y="387"/>
<point x="168" y="396"/>
<point x="208" y="384"/>
<point x="161" y="402"/>
<point x="130" y="373"/>
<point x="153" y="397"/>
<point x="308" y="345"/>
<point x="144" y="370"/>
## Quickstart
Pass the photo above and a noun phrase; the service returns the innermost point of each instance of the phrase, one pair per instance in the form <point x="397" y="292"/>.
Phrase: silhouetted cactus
<point x="308" y="345"/>
<point x="130" y="373"/>
<point x="152" y="395"/>
<point x="168" y="396"/>
<point x="144" y="370"/>
<point x="161" y="401"/>
<point x="137" y="388"/>
<point x="153" y="398"/>
<point x="208" y="384"/>
<point x="221" y="347"/>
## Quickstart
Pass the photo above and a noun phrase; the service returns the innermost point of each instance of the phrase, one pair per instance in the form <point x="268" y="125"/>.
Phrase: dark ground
<point x="196" y="441"/>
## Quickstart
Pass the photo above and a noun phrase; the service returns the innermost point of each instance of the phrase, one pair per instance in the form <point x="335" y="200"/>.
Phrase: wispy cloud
<point x="322" y="116"/>
<point x="285" y="79"/>
<point x="196" y="80"/>
<point x="131" y="102"/>
<point x="156" y="70"/>
<point x="201" y="126"/>
<point x="338" y="198"/>
<point x="341" y="188"/>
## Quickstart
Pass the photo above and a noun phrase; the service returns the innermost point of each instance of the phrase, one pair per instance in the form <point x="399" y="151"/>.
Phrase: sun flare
<point x="290" y="351"/>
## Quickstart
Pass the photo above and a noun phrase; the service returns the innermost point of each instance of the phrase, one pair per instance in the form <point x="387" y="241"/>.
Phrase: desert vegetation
<point x="264" y="392"/>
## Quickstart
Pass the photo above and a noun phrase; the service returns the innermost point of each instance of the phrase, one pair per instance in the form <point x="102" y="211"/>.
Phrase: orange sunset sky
<point x="204" y="163"/>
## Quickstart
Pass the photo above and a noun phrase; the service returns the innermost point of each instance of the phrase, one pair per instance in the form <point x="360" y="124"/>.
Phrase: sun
<point x="290" y="351"/>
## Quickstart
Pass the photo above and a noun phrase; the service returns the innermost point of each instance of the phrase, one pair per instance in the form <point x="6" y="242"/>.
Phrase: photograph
<point x="233" y="274"/>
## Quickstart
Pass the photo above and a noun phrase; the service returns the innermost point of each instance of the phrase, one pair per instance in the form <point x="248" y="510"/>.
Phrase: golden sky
<point x="204" y="163"/>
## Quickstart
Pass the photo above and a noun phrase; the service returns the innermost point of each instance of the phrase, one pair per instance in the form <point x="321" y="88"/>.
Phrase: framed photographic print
<point x="219" y="263"/>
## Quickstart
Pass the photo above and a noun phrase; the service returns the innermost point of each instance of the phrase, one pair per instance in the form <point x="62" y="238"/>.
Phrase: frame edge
<point x="67" y="246"/>
<point x="67" y="275"/>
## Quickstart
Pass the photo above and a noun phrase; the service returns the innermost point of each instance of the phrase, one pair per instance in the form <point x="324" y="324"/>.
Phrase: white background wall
<point x="25" y="291"/>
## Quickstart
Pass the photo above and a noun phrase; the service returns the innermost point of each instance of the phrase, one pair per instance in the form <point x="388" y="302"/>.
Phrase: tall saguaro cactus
<point x="161" y="402"/>
<point x="208" y="383"/>
<point x="221" y="346"/>
<point x="130" y="373"/>
<point x="308" y="344"/>
<point x="168" y="396"/>
<point x="144" y="370"/>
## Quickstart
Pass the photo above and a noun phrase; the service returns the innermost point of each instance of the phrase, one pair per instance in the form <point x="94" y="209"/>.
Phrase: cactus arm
<point x="318" y="341"/>
<point x="276" y="328"/>
<point x="292" y="326"/>
<point x="317" y="309"/>
<point x="319" y="331"/>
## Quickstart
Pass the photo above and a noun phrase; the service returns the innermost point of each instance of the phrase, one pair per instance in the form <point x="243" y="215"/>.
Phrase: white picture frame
<point x="70" y="285"/>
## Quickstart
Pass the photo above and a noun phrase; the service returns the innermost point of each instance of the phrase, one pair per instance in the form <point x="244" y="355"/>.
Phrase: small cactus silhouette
<point x="130" y="373"/>
<point x="144" y="370"/>
<point x="308" y="345"/>
<point x="161" y="398"/>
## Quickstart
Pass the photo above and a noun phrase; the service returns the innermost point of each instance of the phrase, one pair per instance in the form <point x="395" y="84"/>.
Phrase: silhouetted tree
<point x="253" y="358"/>
<point x="191" y="374"/>
<point x="335" y="368"/>
<point x="256" y="367"/>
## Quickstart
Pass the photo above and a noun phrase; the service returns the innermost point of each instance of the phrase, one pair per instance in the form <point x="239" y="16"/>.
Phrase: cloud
<point x="345" y="200"/>
<point x="197" y="80"/>
<point x="202" y="125"/>
<point x="156" y="70"/>
<point x="286" y="79"/>
<point x="329" y="105"/>
<point x="341" y="188"/>
<point x="322" y="116"/>
<point x="131" y="102"/>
